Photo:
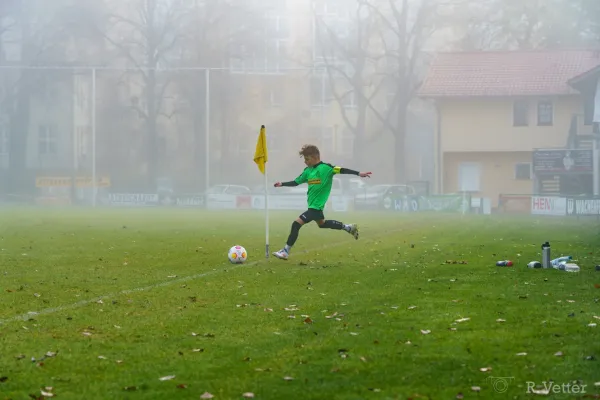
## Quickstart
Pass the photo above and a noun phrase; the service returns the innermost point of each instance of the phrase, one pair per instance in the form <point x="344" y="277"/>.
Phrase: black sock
<point x="294" y="233"/>
<point x="331" y="224"/>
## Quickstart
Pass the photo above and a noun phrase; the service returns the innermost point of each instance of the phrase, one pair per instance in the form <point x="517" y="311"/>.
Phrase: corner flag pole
<point x="266" y="213"/>
<point x="261" y="157"/>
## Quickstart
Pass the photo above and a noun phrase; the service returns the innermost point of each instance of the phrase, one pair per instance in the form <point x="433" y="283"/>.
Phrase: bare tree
<point x="345" y="53"/>
<point x="148" y="39"/>
<point x="520" y="24"/>
<point x="211" y="30"/>
<point x="386" y="52"/>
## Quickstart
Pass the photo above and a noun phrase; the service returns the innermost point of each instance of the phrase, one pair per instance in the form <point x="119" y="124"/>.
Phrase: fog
<point x="168" y="96"/>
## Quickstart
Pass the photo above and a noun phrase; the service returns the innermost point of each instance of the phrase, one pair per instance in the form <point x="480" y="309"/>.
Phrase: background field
<point x="125" y="297"/>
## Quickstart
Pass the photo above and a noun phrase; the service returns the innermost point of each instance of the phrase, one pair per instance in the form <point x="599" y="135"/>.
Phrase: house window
<point x="520" y="113"/>
<point x="47" y="141"/>
<point x="523" y="171"/>
<point x="469" y="177"/>
<point x="545" y="112"/>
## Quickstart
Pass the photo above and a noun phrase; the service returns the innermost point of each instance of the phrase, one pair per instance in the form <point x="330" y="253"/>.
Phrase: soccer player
<point x="319" y="176"/>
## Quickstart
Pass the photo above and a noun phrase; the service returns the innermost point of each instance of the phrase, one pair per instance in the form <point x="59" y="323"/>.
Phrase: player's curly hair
<point x="309" y="150"/>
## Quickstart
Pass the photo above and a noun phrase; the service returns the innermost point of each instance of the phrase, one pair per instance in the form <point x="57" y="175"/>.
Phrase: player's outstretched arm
<point x="348" y="171"/>
<point x="289" y="184"/>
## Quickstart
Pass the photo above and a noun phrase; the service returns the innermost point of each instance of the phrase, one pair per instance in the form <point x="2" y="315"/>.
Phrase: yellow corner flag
<point x="261" y="155"/>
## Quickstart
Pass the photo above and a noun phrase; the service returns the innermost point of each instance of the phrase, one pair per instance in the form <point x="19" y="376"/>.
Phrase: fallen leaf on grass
<point x="182" y="386"/>
<point x="363" y="359"/>
<point x="248" y="395"/>
<point x="206" y="396"/>
<point x="268" y="310"/>
<point x="167" y="378"/>
<point x="308" y="321"/>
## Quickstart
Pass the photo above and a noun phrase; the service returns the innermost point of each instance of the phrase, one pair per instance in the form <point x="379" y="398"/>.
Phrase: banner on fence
<point x="133" y="199"/>
<point x="438" y="203"/>
<point x="583" y="207"/>
<point x="67" y="181"/>
<point x="548" y="205"/>
<point x="189" y="200"/>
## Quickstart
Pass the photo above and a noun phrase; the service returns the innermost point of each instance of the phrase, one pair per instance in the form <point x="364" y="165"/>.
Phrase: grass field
<point x="126" y="297"/>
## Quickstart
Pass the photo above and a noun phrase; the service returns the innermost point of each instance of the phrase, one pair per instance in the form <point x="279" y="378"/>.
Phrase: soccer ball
<point x="237" y="255"/>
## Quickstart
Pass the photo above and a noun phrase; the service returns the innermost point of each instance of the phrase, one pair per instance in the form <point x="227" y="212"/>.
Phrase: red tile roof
<point x="506" y="73"/>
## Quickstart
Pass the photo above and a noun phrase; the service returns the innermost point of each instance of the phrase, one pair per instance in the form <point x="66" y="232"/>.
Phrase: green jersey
<point x="320" y="180"/>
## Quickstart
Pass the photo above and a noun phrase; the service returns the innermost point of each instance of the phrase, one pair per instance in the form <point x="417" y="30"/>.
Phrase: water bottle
<point x="546" y="255"/>
<point x="560" y="260"/>
<point x="535" y="264"/>
<point x="504" y="263"/>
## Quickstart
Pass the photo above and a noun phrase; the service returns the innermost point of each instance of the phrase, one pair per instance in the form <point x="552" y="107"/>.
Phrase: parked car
<point x="381" y="196"/>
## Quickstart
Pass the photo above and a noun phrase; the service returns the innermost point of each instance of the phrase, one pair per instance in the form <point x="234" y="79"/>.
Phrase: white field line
<point x="82" y="303"/>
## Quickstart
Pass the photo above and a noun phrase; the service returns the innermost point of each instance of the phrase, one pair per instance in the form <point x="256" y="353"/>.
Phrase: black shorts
<point x="312" y="215"/>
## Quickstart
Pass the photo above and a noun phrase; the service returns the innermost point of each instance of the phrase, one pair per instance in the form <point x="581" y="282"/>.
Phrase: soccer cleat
<point x="281" y="254"/>
<point x="354" y="231"/>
